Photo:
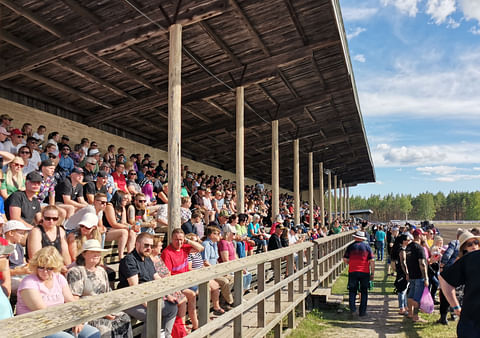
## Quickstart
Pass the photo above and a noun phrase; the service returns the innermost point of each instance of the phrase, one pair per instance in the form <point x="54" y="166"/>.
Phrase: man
<point x="137" y="268"/>
<point x="416" y="274"/>
<point x="70" y="190"/>
<point x="23" y="206"/>
<point x="32" y="144"/>
<point x="465" y="271"/>
<point x="89" y="169"/>
<point x="63" y="142"/>
<point x="66" y="162"/>
<point x="210" y="257"/>
<point x="119" y="177"/>
<point x="6" y="121"/>
<point x="274" y="241"/>
<point x="3" y="136"/>
<point x="222" y="220"/>
<point x="94" y="187"/>
<point x="361" y="270"/>
<point x="15" y="142"/>
<point x="142" y="172"/>
<point x="14" y="232"/>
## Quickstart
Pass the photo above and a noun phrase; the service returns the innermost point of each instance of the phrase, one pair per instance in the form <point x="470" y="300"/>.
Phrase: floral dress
<point x="85" y="283"/>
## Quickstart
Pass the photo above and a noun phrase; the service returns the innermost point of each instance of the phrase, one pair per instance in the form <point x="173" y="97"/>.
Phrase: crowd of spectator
<point x="59" y="205"/>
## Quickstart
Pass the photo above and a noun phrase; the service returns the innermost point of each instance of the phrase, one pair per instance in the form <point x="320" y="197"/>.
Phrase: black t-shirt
<point x="29" y="208"/>
<point x="274" y="242"/>
<point x="466" y="271"/>
<point x="91" y="188"/>
<point x="414" y="252"/>
<point x="132" y="265"/>
<point x="88" y="176"/>
<point x="65" y="188"/>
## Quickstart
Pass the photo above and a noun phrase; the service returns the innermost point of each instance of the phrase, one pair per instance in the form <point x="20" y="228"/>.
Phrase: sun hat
<point x="89" y="220"/>
<point x="14" y="225"/>
<point x="224" y="213"/>
<point x="92" y="245"/>
<point x="465" y="236"/>
<point x="360" y="235"/>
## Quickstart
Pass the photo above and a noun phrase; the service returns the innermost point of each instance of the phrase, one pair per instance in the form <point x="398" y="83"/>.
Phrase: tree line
<point x="425" y="206"/>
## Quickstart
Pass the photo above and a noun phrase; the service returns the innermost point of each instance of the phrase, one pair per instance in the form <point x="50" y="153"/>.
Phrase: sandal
<point x="218" y="312"/>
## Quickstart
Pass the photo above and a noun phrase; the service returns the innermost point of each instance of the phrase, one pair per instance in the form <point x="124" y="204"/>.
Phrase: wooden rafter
<point x="296" y="21"/>
<point x="218" y="107"/>
<point x="309" y="114"/>
<point x="150" y="58"/>
<point x="198" y="115"/>
<point x="76" y="7"/>
<point x="287" y="83"/>
<point x="317" y="71"/>
<point x="206" y="27"/>
<point x="15" y="41"/>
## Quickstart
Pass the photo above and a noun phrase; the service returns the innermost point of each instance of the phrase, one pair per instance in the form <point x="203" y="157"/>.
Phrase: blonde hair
<point x="19" y="178"/>
<point x="47" y="257"/>
<point x="129" y="166"/>
<point x="80" y="239"/>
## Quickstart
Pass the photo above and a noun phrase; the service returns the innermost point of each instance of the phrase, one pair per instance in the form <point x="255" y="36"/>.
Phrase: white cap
<point x="92" y="245"/>
<point x="89" y="220"/>
<point x="14" y="225"/>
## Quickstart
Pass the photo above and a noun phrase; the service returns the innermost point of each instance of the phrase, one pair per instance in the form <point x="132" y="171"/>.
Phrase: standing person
<point x="416" y="274"/>
<point x="361" y="270"/>
<point x="380" y="242"/>
<point x="137" y="268"/>
<point x="399" y="257"/>
<point x="465" y="271"/>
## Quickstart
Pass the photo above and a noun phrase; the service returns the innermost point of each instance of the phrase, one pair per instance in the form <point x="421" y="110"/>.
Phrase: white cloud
<point x="358" y="14"/>
<point x="356" y="32"/>
<point x="457" y="177"/>
<point x="471" y="9"/>
<point x="435" y="159"/>
<point x="408" y="7"/>
<point x="439" y="10"/>
<point x="438" y="170"/>
<point x="359" y="58"/>
<point x="475" y="30"/>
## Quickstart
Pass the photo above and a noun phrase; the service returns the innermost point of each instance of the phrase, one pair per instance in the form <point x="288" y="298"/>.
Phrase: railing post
<point x="203" y="303"/>
<point x="277" y="274"/>
<point x="301" y="286"/>
<point x="309" y="264"/>
<point x="291" y="314"/>
<point x="238" y="296"/>
<point x="315" y="261"/>
<point x="154" y="318"/>
<point x="260" y="289"/>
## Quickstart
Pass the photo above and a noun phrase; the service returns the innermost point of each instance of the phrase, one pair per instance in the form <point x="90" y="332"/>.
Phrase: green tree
<point x="473" y="207"/>
<point x="425" y="206"/>
<point x="405" y="205"/>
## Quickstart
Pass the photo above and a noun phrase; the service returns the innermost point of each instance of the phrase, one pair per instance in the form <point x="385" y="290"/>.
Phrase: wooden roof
<point x="105" y="63"/>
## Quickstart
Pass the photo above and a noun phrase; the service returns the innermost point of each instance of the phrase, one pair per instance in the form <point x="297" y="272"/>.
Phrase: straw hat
<point x="92" y="245"/>
<point x="465" y="236"/>
<point x="360" y="235"/>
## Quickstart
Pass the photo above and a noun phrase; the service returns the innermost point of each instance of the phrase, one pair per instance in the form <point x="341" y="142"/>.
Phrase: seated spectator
<point x="115" y="221"/>
<point x="32" y="144"/>
<point x="66" y="162"/>
<point x="85" y="143"/>
<point x="97" y="186"/>
<point x="218" y="202"/>
<point x="137" y="268"/>
<point x="49" y="152"/>
<point x="132" y="186"/>
<point x="147" y="186"/>
<point x="89" y="166"/>
<point x="275" y="242"/>
<point x="69" y="192"/>
<point x="14" y="232"/>
<point x="40" y="134"/>
<point x="110" y="154"/>
<point x="48" y="233"/>
<point x="242" y="236"/>
<point x="255" y="234"/>
<point x="119" y="177"/>
<point x="77" y="155"/>
<point x="29" y="166"/>
<point x="46" y="287"/>
<point x="65" y="140"/>
<point x="137" y="214"/>
<point x="15" y="142"/>
<point x="87" y="229"/>
<point x="22" y="206"/>
<point x="3" y="137"/>
<point x="5" y="307"/>
<point x="162" y="194"/>
<point x="175" y="257"/>
<point x="88" y="278"/>
<point x="14" y="178"/>
<point x="54" y="138"/>
<point x="210" y="257"/>
<point x="226" y="250"/>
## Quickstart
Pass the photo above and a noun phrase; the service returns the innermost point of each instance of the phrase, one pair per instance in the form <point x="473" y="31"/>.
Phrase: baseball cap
<point x="6" y="117"/>
<point x="4" y="131"/>
<point x="16" y="131"/>
<point x="34" y="177"/>
<point x="224" y="213"/>
<point x="65" y="137"/>
<point x="14" y="225"/>
<point x="77" y="170"/>
<point x="92" y="152"/>
<point x="47" y="163"/>
<point x="418" y="232"/>
<point x="102" y="174"/>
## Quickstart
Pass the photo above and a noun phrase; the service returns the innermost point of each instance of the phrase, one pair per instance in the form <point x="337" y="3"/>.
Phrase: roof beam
<point x="287" y="83"/>
<point x="198" y="115"/>
<point x="207" y="29"/>
<point x="258" y="71"/>
<point x="37" y="20"/>
<point x="150" y="58"/>
<point x="61" y="86"/>
<point x="82" y="11"/>
<point x="317" y="71"/>
<point x="218" y="107"/>
<point x="296" y="21"/>
<point x="113" y="35"/>
<point x="13" y="40"/>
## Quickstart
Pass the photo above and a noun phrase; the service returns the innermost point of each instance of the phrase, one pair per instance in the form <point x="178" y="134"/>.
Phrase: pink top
<point x="225" y="245"/>
<point x="53" y="296"/>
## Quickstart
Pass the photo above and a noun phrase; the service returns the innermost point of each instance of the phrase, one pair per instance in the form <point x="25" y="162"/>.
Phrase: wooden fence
<point x="319" y="263"/>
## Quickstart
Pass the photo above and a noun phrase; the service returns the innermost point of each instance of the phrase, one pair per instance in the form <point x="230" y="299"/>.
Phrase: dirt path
<point x="382" y="320"/>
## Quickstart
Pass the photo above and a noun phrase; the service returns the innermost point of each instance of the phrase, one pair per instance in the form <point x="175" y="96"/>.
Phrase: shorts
<point x="416" y="289"/>
<point x="248" y="246"/>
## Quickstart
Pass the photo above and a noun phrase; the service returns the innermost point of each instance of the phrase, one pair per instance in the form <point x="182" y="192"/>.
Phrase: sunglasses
<point x="45" y="268"/>
<point x="25" y="152"/>
<point x="84" y="227"/>
<point x="46" y="218"/>
<point x="133" y="174"/>
<point x="147" y="246"/>
<point x="19" y="136"/>
<point x="102" y="202"/>
<point x="472" y="243"/>
<point x="18" y="165"/>
<point x="141" y="201"/>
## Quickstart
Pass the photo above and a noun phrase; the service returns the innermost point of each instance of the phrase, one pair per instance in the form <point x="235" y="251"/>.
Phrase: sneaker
<point x="442" y="321"/>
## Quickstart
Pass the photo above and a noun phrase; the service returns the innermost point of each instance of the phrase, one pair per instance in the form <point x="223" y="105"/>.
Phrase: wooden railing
<point x="319" y="262"/>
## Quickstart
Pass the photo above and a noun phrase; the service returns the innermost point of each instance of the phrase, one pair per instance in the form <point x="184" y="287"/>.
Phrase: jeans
<point x="433" y="285"/>
<point x="416" y="289"/>
<point x="87" y="332"/>
<point x="467" y="328"/>
<point x="380" y="249"/>
<point x="169" y="312"/>
<point x="402" y="299"/>
<point x="354" y="279"/>
<point x="247" y="280"/>
<point x="241" y="249"/>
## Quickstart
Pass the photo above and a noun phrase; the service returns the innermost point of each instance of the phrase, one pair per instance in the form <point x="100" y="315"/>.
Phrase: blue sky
<point x="417" y="69"/>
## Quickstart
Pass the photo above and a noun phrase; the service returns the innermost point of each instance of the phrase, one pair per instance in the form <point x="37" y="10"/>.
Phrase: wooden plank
<point x="206" y="27"/>
<point x="65" y="88"/>
<point x="150" y="58"/>
<point x="197" y="114"/>
<point x="82" y="11"/>
<point x="275" y="172"/>
<point x="322" y="193"/>
<point x="288" y="84"/>
<point x="154" y="318"/>
<point x="277" y="273"/>
<point x="296" y="21"/>
<point x="238" y="297"/>
<point x="219" y="107"/>
<point x="15" y="41"/>
<point x="203" y="303"/>
<point x="260" y="289"/>
<point x="296" y="180"/>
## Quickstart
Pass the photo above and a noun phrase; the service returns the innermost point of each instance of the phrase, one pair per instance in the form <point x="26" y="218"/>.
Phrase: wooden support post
<point x="275" y="172"/>
<point x="310" y="187"/>
<point x="301" y="285"/>
<point x="322" y="195"/>
<point x="315" y="261"/>
<point x="174" y="128"/>
<point x="240" y="136"/>
<point x="260" y="289"/>
<point x="203" y="303"/>
<point x="154" y="318"/>
<point x="309" y="263"/>
<point x="296" y="181"/>
<point x="290" y="261"/>
<point x="238" y="296"/>
<point x="335" y="201"/>
<point x="330" y="199"/>
<point x="277" y="273"/>
<point x="348" y="202"/>
<point x="340" y="198"/>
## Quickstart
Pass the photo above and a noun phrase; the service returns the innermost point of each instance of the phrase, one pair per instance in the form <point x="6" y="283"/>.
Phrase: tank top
<point x="118" y="218"/>
<point x="47" y="242"/>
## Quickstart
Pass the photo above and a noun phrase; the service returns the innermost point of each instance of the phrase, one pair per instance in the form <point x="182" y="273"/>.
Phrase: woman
<point x="137" y="214"/>
<point x="46" y="287"/>
<point x="218" y="202"/>
<point x="87" y="278"/>
<point x="86" y="230"/>
<point x="242" y="235"/>
<point x="5" y="250"/>
<point x="226" y="250"/>
<point x="49" y="152"/>
<point x="399" y="256"/>
<point x="14" y="178"/>
<point x="115" y="220"/>
<point x="48" y="233"/>
<point x="162" y="195"/>
<point x="25" y="153"/>
<point x="110" y="154"/>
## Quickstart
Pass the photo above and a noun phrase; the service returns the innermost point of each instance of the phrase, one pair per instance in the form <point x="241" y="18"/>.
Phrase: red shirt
<point x="176" y="261"/>
<point x="359" y="255"/>
<point x="120" y="180"/>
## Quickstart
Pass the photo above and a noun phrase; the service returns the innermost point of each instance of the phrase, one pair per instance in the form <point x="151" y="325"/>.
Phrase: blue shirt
<point x="380" y="236"/>
<point x="210" y="253"/>
<point x="67" y="164"/>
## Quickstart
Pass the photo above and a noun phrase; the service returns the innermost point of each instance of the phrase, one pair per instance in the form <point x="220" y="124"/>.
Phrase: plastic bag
<point x="426" y="302"/>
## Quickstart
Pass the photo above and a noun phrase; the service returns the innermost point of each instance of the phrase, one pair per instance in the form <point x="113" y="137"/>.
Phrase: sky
<point x="417" y="69"/>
